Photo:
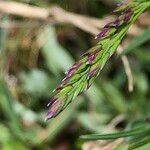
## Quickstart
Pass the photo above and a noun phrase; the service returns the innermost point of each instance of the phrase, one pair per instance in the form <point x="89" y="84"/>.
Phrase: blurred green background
<point x="34" y="54"/>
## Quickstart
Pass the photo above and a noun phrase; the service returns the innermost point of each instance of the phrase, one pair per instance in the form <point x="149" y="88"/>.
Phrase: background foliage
<point x="33" y="58"/>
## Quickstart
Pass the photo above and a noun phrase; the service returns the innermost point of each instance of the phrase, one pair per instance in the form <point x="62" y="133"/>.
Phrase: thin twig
<point x="23" y="10"/>
<point x="18" y="24"/>
<point x="127" y="68"/>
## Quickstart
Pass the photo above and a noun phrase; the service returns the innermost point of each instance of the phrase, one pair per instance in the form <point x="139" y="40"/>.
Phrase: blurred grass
<point x="32" y="64"/>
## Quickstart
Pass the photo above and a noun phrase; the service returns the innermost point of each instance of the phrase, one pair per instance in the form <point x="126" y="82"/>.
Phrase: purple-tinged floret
<point x="110" y="24"/>
<point x="118" y="22"/>
<point x="73" y="69"/>
<point x="54" y="108"/>
<point x="115" y="23"/>
<point x="103" y="33"/>
<point x="128" y="16"/>
<point x="91" y="56"/>
<point x="51" y="102"/>
<point x="129" y="10"/>
<point x="93" y="72"/>
<point x="119" y="4"/>
<point x="59" y="88"/>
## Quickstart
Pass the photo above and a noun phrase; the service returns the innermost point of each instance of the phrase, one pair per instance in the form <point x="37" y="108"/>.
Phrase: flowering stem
<point x="82" y="74"/>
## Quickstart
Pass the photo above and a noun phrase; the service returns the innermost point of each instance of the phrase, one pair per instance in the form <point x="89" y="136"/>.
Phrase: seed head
<point x="82" y="74"/>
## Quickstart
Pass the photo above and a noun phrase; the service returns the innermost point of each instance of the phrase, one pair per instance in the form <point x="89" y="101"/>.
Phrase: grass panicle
<point x="82" y="74"/>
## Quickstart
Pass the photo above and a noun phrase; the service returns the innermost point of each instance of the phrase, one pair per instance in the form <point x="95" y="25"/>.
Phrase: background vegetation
<point x="34" y="54"/>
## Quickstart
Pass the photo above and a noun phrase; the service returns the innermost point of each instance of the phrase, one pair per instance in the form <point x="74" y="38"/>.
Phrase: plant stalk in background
<point x="82" y="74"/>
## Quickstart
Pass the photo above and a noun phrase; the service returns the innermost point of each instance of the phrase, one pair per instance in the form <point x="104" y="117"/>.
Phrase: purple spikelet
<point x="119" y="7"/>
<point x="73" y="69"/>
<point x="103" y="33"/>
<point x="127" y="15"/>
<point x="55" y="107"/>
<point x="93" y="72"/>
<point x="91" y="56"/>
<point x="111" y="28"/>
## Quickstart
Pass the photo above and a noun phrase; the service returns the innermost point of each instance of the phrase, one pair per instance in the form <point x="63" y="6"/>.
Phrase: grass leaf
<point x="139" y="143"/>
<point x="133" y="132"/>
